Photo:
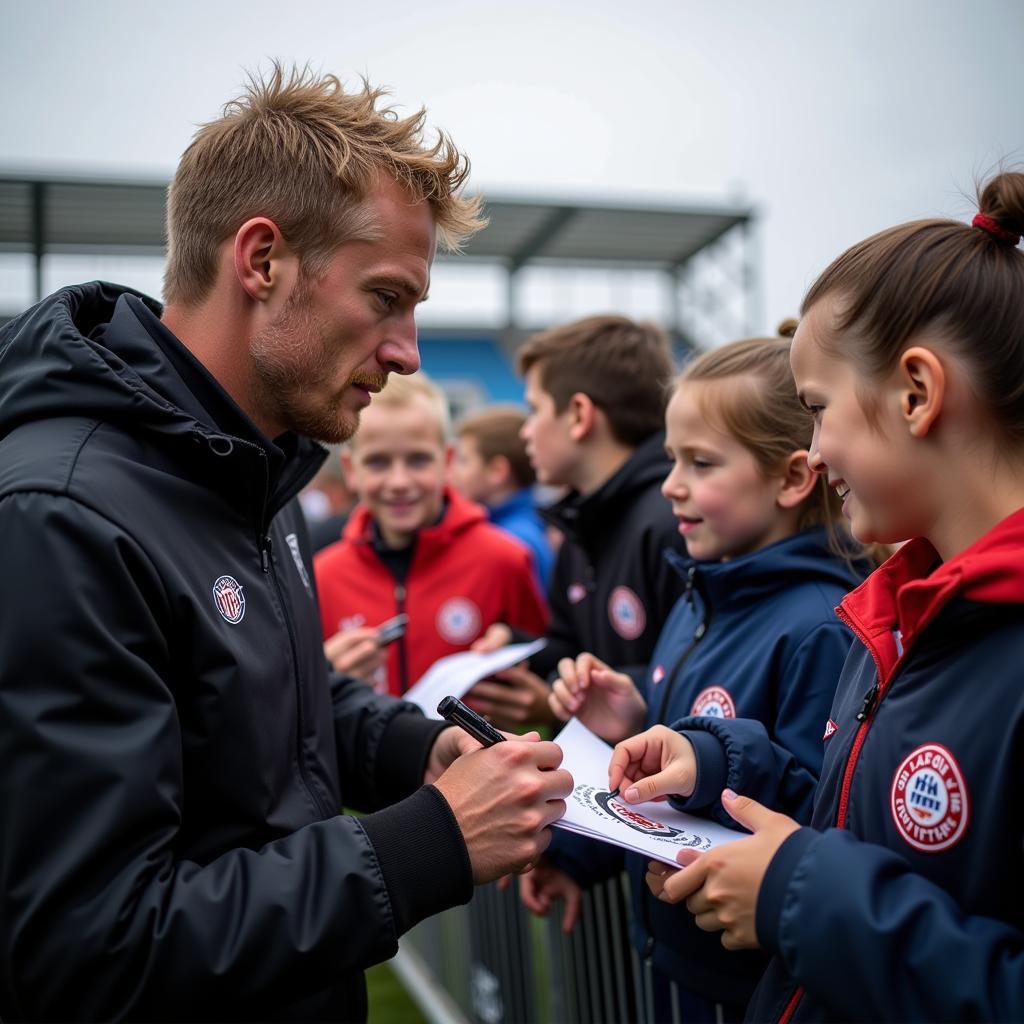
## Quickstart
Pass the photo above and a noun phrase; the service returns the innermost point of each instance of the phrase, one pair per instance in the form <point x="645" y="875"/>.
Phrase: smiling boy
<point x="415" y="546"/>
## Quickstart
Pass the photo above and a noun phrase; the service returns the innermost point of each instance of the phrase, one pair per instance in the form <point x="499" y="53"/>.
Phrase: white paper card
<point x="654" y="829"/>
<point x="455" y="674"/>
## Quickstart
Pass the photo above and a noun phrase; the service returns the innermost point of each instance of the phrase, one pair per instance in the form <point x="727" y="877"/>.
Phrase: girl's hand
<point x="652" y="766"/>
<point x="605" y="701"/>
<point x="721" y="886"/>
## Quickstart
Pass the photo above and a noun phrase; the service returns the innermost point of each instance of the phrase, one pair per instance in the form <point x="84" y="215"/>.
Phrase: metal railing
<point x="494" y="963"/>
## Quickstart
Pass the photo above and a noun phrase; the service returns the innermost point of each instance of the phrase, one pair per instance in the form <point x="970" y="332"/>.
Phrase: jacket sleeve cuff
<point x="403" y="754"/>
<point x="422" y="856"/>
<point x="712" y="771"/>
<point x="775" y="885"/>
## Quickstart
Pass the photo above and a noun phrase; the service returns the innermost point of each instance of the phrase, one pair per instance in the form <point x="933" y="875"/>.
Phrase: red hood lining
<point x="909" y="590"/>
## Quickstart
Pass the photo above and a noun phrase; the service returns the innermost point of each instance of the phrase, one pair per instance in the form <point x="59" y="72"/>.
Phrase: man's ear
<point x="922" y="384"/>
<point x="265" y="265"/>
<point x="798" y="480"/>
<point x="583" y="416"/>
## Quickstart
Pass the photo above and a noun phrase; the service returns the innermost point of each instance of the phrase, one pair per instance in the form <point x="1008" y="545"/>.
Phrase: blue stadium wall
<point x="470" y="365"/>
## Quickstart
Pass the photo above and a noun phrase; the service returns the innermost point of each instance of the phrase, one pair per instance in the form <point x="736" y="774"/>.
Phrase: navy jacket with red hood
<point x="904" y="900"/>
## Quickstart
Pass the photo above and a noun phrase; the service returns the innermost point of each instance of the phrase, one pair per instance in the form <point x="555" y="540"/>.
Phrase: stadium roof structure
<point x="42" y="214"/>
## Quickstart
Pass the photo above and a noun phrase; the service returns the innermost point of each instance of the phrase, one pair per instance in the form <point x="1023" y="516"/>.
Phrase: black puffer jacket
<point x="174" y="755"/>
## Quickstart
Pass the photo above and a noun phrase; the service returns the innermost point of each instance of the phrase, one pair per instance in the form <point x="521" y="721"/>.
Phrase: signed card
<point x="654" y="829"/>
<point x="455" y="674"/>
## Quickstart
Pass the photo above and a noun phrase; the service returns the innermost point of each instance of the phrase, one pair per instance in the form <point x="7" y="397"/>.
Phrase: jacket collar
<point x="895" y="604"/>
<point x="100" y="351"/>
<point x="803" y="556"/>
<point x="588" y="517"/>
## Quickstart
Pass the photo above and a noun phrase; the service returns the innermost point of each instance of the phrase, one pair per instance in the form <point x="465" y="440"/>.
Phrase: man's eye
<point x="386" y="299"/>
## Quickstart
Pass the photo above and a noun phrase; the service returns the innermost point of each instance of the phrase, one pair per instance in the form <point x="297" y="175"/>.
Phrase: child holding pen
<point x="904" y="900"/>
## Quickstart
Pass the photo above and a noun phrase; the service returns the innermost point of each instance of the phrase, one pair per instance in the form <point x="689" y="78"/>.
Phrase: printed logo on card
<point x="458" y="621"/>
<point x="830" y="730"/>
<point x="929" y="799"/>
<point x="576" y="593"/>
<point x="626" y="613"/>
<point x="618" y="810"/>
<point x="715" y="702"/>
<point x="229" y="599"/>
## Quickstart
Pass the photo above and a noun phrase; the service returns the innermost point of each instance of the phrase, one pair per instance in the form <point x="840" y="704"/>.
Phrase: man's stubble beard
<point x="291" y="358"/>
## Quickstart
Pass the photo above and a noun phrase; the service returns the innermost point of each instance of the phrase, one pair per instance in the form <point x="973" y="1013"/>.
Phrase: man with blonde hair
<point x="175" y="753"/>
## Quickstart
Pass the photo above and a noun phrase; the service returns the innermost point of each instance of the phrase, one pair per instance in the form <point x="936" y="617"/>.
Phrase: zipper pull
<point x="691" y="573"/>
<point x="265" y="544"/>
<point x="869" y="703"/>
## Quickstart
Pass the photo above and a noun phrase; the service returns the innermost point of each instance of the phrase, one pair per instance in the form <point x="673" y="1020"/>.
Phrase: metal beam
<point x="38" y="234"/>
<point x="548" y="230"/>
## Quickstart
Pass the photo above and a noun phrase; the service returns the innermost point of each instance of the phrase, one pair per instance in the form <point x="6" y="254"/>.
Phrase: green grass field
<point x="389" y="1002"/>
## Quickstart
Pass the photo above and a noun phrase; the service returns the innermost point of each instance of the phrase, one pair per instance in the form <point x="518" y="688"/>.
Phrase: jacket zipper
<point x="266" y="561"/>
<point x="673" y="678"/>
<point x="403" y="664"/>
<point x="698" y="635"/>
<point x="865" y="716"/>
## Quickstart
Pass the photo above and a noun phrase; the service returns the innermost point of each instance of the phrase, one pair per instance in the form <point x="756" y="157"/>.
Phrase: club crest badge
<point x="576" y="593"/>
<point x="929" y="800"/>
<point x="715" y="702"/>
<point x="830" y="730"/>
<point x="626" y="613"/>
<point x="658" y="674"/>
<point x="618" y="810"/>
<point x="229" y="599"/>
<point x="458" y="620"/>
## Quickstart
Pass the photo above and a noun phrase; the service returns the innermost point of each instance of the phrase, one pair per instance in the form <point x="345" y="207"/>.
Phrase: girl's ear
<point x="922" y="389"/>
<point x="798" y="480"/>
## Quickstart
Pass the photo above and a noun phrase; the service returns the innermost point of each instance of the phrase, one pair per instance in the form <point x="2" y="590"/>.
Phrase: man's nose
<point x="399" y="353"/>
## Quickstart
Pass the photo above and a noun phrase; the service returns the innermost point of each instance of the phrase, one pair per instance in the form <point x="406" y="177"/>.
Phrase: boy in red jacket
<point x="413" y="545"/>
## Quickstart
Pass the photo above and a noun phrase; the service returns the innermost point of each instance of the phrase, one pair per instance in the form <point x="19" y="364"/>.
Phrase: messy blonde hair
<point x="298" y="149"/>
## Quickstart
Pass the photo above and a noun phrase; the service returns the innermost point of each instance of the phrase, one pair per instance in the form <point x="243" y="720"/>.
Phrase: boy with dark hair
<point x="491" y="466"/>
<point x="596" y="390"/>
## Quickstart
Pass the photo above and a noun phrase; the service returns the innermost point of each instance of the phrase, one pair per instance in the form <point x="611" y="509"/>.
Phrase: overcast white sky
<point x="833" y="120"/>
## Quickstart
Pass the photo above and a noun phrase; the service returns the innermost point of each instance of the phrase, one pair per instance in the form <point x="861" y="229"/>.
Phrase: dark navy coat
<point x="904" y="900"/>
<point x="755" y="636"/>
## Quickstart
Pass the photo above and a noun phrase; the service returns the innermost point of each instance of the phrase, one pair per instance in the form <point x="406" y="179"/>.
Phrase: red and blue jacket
<point x="465" y="574"/>
<point x="904" y="899"/>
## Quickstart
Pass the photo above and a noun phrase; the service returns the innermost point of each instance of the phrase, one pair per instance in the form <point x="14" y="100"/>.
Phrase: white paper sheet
<point x="654" y="829"/>
<point x="455" y="674"/>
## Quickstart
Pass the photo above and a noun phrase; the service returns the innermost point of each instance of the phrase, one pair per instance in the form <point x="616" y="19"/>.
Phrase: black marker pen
<point x="451" y="709"/>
